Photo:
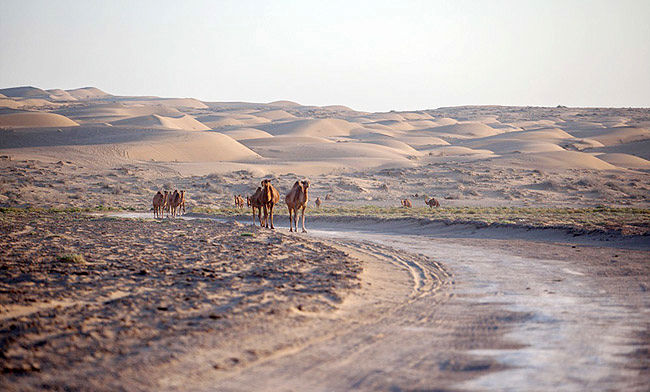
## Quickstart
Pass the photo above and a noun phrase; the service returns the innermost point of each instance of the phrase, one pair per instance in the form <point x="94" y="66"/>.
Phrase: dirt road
<point x="466" y="309"/>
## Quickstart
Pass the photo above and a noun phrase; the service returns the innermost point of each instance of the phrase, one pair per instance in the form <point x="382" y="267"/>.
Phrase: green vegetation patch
<point x="627" y="221"/>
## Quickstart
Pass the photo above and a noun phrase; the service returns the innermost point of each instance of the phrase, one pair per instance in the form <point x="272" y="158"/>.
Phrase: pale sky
<point x="369" y="55"/>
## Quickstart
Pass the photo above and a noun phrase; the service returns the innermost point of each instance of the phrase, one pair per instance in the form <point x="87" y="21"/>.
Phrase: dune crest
<point x="185" y="122"/>
<point x="35" y="120"/>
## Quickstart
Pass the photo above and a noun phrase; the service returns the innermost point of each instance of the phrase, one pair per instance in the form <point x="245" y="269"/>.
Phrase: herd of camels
<point x="265" y="198"/>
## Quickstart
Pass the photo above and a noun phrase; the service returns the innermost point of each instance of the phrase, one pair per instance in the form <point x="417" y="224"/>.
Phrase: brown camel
<point x="296" y="200"/>
<point x="407" y="203"/>
<point x="166" y="199"/>
<point x="255" y="202"/>
<point x="158" y="205"/>
<point x="270" y="197"/>
<point x="318" y="202"/>
<point x="174" y="202"/>
<point x="239" y="201"/>
<point x="182" y="202"/>
<point x="432" y="202"/>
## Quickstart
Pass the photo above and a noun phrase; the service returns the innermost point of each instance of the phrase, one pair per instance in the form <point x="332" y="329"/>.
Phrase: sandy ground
<point x="146" y="292"/>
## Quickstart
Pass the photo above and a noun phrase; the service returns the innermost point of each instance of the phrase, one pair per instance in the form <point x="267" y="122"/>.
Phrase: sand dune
<point x="10" y="103"/>
<point x="467" y="129"/>
<point x="508" y="146"/>
<point x="274" y="115"/>
<point x="190" y="147"/>
<point x="23" y="92"/>
<point x="87" y="93"/>
<point x="34" y="120"/>
<point x="422" y="142"/>
<point x="445" y="121"/>
<point x="246" y="133"/>
<point x="185" y="122"/>
<point x="284" y="103"/>
<point x="60" y="95"/>
<point x="397" y="145"/>
<point x="561" y="160"/>
<point x="28" y="103"/>
<point x="450" y="151"/>
<point x="178" y="103"/>
<point x="625" y="160"/>
<point x="311" y="127"/>
<point x="621" y="135"/>
<point x="392" y="125"/>
<point x="415" y="116"/>
<point x="232" y="120"/>
<point x="640" y="149"/>
<point x="107" y="112"/>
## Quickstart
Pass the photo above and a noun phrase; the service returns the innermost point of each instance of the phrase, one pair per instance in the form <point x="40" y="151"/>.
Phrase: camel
<point x="407" y="203"/>
<point x="432" y="202"/>
<point x="296" y="200"/>
<point x="318" y="202"/>
<point x="255" y="202"/>
<point x="166" y="198"/>
<point x="239" y="201"/>
<point x="174" y="202"/>
<point x="270" y="197"/>
<point x="158" y="202"/>
<point x="182" y="202"/>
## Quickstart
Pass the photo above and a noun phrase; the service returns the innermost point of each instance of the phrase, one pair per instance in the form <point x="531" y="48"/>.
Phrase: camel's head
<point x="305" y="184"/>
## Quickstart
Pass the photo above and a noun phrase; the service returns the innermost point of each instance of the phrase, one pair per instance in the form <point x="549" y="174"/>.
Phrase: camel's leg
<point x="271" y="215"/>
<point x="266" y="215"/>
<point x="253" y="208"/>
<point x="290" y="220"/>
<point x="259" y="215"/>
<point x="303" y="221"/>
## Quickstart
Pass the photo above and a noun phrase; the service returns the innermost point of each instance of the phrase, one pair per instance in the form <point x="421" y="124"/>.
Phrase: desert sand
<point x="95" y="301"/>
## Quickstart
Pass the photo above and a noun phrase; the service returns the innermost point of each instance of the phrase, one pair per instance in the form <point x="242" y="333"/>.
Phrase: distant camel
<point x="406" y="203"/>
<point x="255" y="202"/>
<point x="296" y="200"/>
<point x="328" y="197"/>
<point x="270" y="197"/>
<point x="318" y="202"/>
<point x="174" y="202"/>
<point x="239" y="201"/>
<point x="432" y="202"/>
<point x="158" y="205"/>
<point x="182" y="202"/>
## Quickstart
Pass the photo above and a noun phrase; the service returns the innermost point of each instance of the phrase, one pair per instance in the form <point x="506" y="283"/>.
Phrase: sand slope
<point x="185" y="122"/>
<point x="190" y="147"/>
<point x="34" y="119"/>
<point x="23" y="92"/>
<point x="312" y="127"/>
<point x="625" y="160"/>
<point x="87" y="93"/>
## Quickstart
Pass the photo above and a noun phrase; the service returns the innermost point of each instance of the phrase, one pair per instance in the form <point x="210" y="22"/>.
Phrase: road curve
<point x="472" y="310"/>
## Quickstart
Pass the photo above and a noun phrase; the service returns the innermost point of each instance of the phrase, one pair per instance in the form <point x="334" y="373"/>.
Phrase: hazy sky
<point x="369" y="55"/>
